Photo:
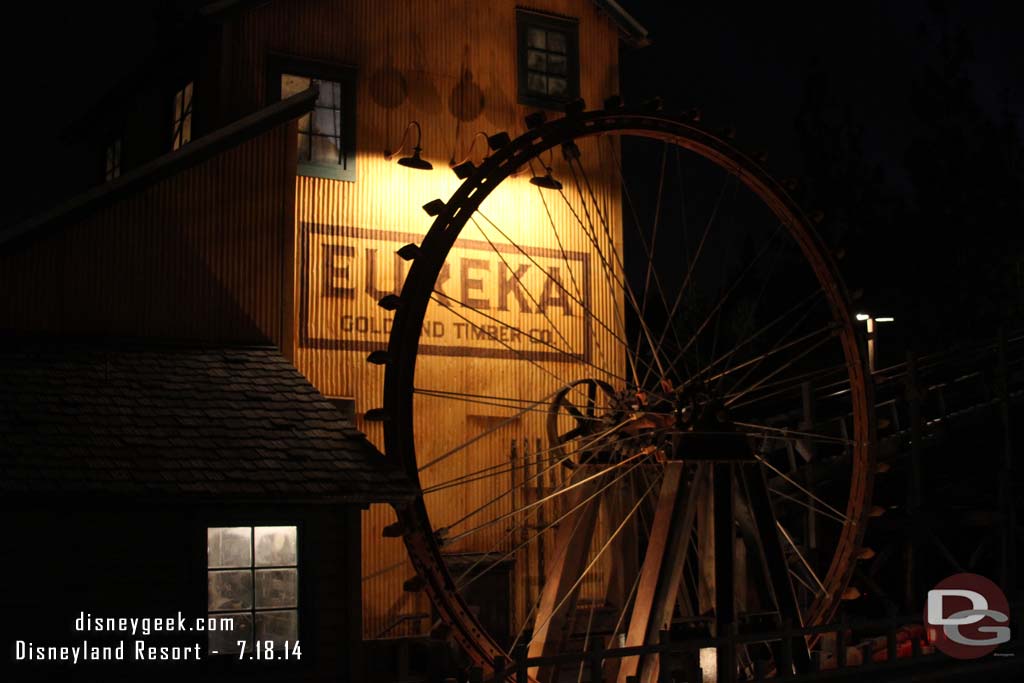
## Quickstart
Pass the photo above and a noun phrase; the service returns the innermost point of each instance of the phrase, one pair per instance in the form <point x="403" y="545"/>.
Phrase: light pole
<point x="870" y="321"/>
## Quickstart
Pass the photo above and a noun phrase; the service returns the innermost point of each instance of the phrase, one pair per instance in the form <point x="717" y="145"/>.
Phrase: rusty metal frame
<point x="410" y="309"/>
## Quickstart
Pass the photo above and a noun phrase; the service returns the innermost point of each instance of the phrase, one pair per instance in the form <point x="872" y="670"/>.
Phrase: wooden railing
<point x="680" y="661"/>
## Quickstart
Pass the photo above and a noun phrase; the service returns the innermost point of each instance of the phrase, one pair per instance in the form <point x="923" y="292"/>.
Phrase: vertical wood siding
<point x="434" y="62"/>
<point x="199" y="256"/>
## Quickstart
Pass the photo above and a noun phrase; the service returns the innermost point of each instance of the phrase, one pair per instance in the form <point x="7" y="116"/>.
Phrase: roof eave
<point x="195" y="152"/>
<point x="632" y="31"/>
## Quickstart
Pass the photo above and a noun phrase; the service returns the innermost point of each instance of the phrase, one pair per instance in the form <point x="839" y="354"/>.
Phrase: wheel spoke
<point x="691" y="267"/>
<point x="597" y="319"/>
<point x="597" y="557"/>
<point x="504" y="423"/>
<point x="496" y="403"/>
<point x="519" y="281"/>
<point x="809" y="506"/>
<point x="737" y="396"/>
<point x="517" y="352"/>
<point x="648" y="250"/>
<point x="831" y="327"/>
<point x="460" y="581"/>
<point x="740" y="334"/>
<point x="762" y="329"/>
<point x="794" y="484"/>
<point x="547" y="498"/>
<point x="800" y="555"/>
<point x="572" y="274"/>
<point x="724" y="297"/>
<point x="630" y="295"/>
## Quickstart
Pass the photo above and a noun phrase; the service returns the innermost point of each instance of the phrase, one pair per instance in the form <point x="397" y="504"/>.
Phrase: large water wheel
<point x="682" y="475"/>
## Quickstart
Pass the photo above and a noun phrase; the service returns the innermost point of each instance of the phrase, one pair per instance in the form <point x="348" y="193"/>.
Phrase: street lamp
<point x="870" y="321"/>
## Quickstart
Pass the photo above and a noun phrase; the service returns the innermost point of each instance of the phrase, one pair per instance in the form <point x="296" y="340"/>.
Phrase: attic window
<point x="112" y="160"/>
<point x="549" y="62"/>
<point x="253" y="578"/>
<point x="181" y="129"/>
<point x="326" y="143"/>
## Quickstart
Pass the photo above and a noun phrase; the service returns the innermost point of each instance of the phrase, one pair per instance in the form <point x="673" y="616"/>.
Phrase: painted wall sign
<point x="492" y="301"/>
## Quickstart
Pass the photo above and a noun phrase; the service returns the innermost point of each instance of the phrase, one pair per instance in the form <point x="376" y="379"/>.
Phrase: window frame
<point x="346" y="75"/>
<point x="252" y="525"/>
<point x="179" y="87"/>
<point x="114" y="142"/>
<point x="526" y="19"/>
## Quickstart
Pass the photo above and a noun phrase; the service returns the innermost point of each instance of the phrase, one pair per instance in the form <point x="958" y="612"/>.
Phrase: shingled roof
<point x="220" y="423"/>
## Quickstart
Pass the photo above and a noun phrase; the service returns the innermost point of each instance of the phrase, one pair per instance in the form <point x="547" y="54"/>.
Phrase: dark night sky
<point x="745" y="63"/>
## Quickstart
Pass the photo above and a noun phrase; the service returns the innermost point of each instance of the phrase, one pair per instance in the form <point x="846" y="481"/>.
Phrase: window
<point x="549" y="64"/>
<point x="253" y="577"/>
<point x="181" y="129"/>
<point x="345" y="406"/>
<point x="112" y="160"/>
<point x="326" y="139"/>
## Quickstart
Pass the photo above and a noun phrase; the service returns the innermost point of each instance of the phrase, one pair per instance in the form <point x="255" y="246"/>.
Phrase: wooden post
<point x="784" y="668"/>
<point x="913" y="393"/>
<point x="559" y="592"/>
<point x="518" y="594"/>
<point x="705" y="546"/>
<point x="500" y="665"/>
<point x="596" y="660"/>
<point x="725" y="593"/>
<point x="662" y="571"/>
<point x="729" y="675"/>
<point x="529" y="595"/>
<point x="664" y="658"/>
<point x="521" y="653"/>
<point x="841" y="645"/>
<point x="773" y="560"/>
<point x="808" y="450"/>
<point x="541" y="513"/>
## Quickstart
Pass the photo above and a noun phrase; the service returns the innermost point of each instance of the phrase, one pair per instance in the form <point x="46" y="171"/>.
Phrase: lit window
<point x="548" y="59"/>
<point x="112" y="160"/>
<point x="326" y="137"/>
<point x="181" y="131"/>
<point x="253" y="578"/>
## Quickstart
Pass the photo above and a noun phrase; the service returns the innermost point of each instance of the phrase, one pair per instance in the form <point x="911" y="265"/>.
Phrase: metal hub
<point x="675" y="423"/>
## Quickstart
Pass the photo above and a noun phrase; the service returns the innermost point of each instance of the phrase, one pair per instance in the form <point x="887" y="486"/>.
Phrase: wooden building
<point x="247" y="191"/>
<point x="137" y="477"/>
<point x="160" y="456"/>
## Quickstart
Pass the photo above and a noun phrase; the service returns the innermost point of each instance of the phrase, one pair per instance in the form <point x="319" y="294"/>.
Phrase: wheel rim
<point x="418" y="295"/>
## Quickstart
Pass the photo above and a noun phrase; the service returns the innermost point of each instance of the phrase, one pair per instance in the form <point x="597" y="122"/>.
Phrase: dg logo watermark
<point x="967" y="616"/>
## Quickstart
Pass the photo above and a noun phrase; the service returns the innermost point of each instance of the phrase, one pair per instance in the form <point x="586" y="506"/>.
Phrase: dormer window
<point x="112" y="160"/>
<point x="549" y="62"/>
<point x="326" y="136"/>
<point x="181" y="128"/>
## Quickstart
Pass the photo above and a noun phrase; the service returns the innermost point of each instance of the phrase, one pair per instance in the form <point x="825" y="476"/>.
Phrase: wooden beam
<point x="558" y="597"/>
<point x="775" y="566"/>
<point x="705" y="546"/>
<point x="725" y="589"/>
<point x="661" y="574"/>
<point x="623" y="564"/>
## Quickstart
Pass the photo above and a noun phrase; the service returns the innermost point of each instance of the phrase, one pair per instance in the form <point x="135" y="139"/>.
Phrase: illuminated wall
<point x="451" y="66"/>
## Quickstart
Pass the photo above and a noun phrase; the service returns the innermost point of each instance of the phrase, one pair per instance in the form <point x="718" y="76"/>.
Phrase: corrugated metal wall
<point x="451" y="66"/>
<point x="201" y="255"/>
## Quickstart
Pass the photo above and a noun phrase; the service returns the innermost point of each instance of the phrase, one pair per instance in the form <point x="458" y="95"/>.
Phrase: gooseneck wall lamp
<point x="414" y="160"/>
